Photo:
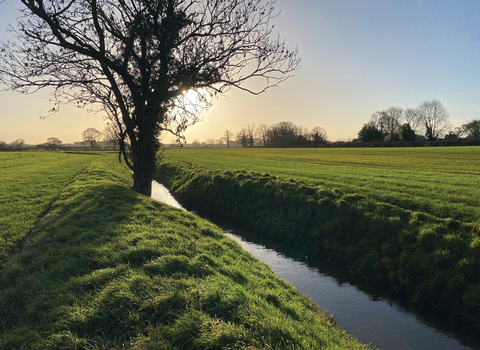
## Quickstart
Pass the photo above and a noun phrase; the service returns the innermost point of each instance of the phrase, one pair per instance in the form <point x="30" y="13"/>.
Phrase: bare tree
<point x="135" y="60"/>
<point x="111" y="134"/>
<point x="18" y="143"/>
<point x="242" y="137"/>
<point x="283" y="134"/>
<point x="388" y="122"/>
<point x="318" y="135"/>
<point x="91" y="136"/>
<point x="210" y="142"/>
<point x="392" y="120"/>
<point x="251" y="133"/>
<point x="377" y="120"/>
<point x="262" y="132"/>
<point x="413" y="117"/>
<point x="303" y="134"/>
<point x="434" y="117"/>
<point x="228" y="136"/>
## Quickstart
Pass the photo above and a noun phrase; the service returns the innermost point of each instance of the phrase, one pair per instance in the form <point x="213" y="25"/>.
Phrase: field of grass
<point x="29" y="182"/>
<point x="106" y="268"/>
<point x="430" y="254"/>
<point x="444" y="182"/>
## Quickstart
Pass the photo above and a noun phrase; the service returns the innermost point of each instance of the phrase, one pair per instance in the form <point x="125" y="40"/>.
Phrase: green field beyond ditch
<point x="405" y="219"/>
<point x="444" y="182"/>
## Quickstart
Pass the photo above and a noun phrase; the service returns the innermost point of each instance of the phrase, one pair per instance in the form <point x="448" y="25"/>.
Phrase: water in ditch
<point x="358" y="307"/>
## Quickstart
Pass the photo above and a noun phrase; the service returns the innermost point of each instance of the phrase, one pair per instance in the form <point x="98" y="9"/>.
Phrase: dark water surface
<point x="358" y="307"/>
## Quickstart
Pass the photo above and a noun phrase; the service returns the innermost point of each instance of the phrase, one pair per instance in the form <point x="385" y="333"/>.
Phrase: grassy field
<point x="444" y="182"/>
<point x="29" y="182"/>
<point x="106" y="268"/>
<point x="397" y="228"/>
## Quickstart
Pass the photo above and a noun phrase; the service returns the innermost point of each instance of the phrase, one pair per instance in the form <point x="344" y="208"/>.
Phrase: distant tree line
<point x="90" y="137"/>
<point x="14" y="145"/>
<point x="283" y="134"/>
<point x="429" y="121"/>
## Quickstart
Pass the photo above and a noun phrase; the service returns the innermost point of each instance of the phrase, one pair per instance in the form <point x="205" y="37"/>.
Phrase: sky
<point x="358" y="57"/>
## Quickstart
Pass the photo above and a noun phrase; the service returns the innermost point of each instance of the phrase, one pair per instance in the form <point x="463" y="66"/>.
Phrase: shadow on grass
<point x="76" y="238"/>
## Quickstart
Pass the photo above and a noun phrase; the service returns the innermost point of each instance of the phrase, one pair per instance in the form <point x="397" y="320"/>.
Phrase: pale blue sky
<point x="358" y="57"/>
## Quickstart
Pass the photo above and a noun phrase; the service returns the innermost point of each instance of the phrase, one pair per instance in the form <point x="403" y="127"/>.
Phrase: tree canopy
<point x="434" y="117"/>
<point x="91" y="136"/>
<point x="135" y="60"/>
<point x="370" y="133"/>
<point x="472" y="129"/>
<point x="395" y="124"/>
<point x="53" y="143"/>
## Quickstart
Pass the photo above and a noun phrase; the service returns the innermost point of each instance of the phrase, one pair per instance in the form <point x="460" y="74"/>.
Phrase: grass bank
<point x="29" y="182"/>
<point x="107" y="268"/>
<point x="435" y="262"/>
<point x="444" y="182"/>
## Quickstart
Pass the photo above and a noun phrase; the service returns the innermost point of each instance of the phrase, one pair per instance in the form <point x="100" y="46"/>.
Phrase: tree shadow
<point x="76" y="238"/>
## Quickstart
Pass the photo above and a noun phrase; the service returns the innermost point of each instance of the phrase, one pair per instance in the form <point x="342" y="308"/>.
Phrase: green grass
<point x="444" y="182"/>
<point x="434" y="262"/>
<point x="106" y="268"/>
<point x="29" y="182"/>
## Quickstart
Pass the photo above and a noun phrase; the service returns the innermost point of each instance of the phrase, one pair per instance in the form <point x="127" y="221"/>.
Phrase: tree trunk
<point x="144" y="161"/>
<point x="144" y="170"/>
<point x="142" y="184"/>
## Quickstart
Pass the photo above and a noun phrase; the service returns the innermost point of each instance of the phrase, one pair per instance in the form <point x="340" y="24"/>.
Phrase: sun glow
<point x="191" y="96"/>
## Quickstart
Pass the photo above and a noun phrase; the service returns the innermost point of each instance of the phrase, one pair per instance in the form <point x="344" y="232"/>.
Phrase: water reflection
<point x="358" y="307"/>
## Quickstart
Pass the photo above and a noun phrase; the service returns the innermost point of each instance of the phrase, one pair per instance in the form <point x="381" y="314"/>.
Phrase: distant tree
<point x="370" y="133"/>
<point x="472" y="129"/>
<point x="3" y="144"/>
<point x="392" y="119"/>
<point x="455" y="134"/>
<point x="377" y="120"/>
<point x="251" y="130"/>
<point x="434" y="117"/>
<point x="262" y="133"/>
<point x="388" y="122"/>
<point x="196" y="143"/>
<point x="210" y="142"/>
<point x="303" y="131"/>
<point x="242" y="137"/>
<point x="318" y="135"/>
<point x="53" y="143"/>
<point x="406" y="133"/>
<point x="413" y="117"/>
<point x="111" y="135"/>
<point x="451" y="136"/>
<point x="283" y="134"/>
<point x="228" y="137"/>
<point x="91" y="136"/>
<point x="18" y="143"/>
